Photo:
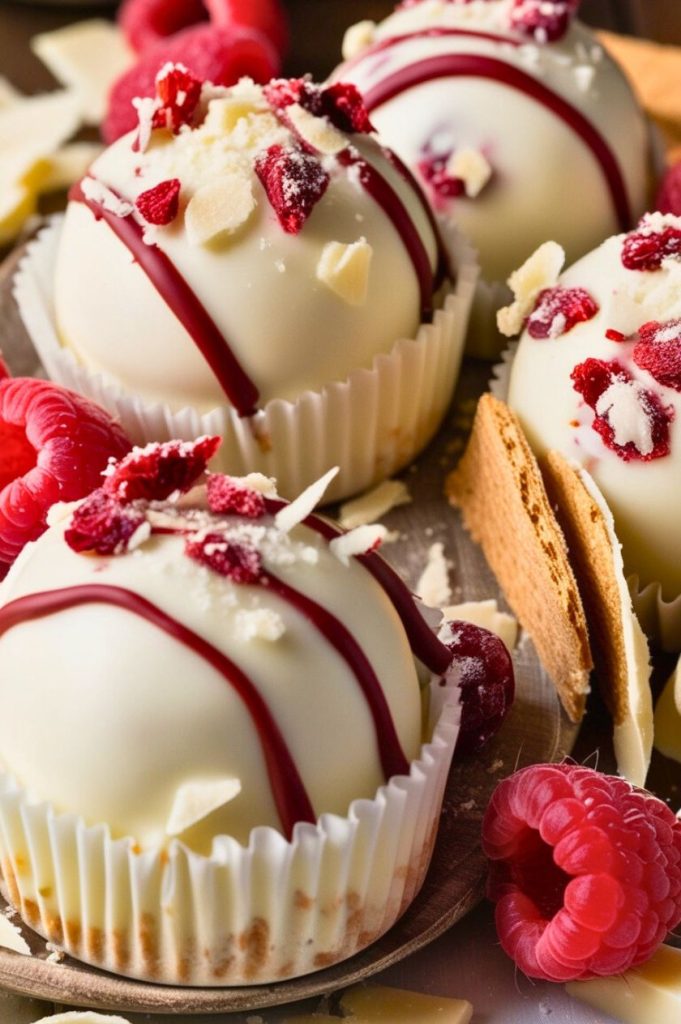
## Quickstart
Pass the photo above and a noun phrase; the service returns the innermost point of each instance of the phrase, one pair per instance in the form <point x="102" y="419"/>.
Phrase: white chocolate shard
<point x="317" y="131"/>
<point x="224" y="113"/>
<point x="264" y="485"/>
<point x="378" y="1004"/>
<point x="8" y="94"/>
<point x="11" y="937"/>
<point x="649" y="994"/>
<point x="472" y="167"/>
<point x="259" y="624"/>
<point x="86" y="57"/>
<point x="433" y="586"/>
<point x="345" y="270"/>
<point x="81" y="1017"/>
<point x="32" y="128"/>
<point x="487" y="615"/>
<point x="358" y="542"/>
<point x="357" y="38"/>
<point x="69" y="164"/>
<point x="540" y="271"/>
<point x="219" y="208"/>
<point x="668" y="719"/>
<point x="98" y="193"/>
<point x="374" y="504"/>
<point x="293" y="514"/>
<point x="196" y="800"/>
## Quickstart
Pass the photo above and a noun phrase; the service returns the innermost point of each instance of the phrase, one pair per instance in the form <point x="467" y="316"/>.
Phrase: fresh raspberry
<point x="341" y="103"/>
<point x="631" y="420"/>
<point x="103" y="525"/>
<point x="658" y="351"/>
<point x="159" y="470"/>
<point x="433" y="170"/>
<point x="294" y="182"/>
<point x="217" y="55"/>
<point x="647" y="248"/>
<point x="668" y="199"/>
<point x="545" y="21"/>
<point x="486" y="683"/>
<point x="557" y="310"/>
<point x="585" y="872"/>
<point x="265" y="16"/>
<point x="160" y="204"/>
<point x="227" y="496"/>
<point x="237" y="562"/>
<point x="146" y="22"/>
<point x="54" y="445"/>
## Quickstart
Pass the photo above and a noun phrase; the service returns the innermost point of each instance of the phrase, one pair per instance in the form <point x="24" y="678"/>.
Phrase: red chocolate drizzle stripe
<point x="184" y="304"/>
<point x="471" y="65"/>
<point x="387" y="198"/>
<point x="393" y="760"/>
<point x="444" y="266"/>
<point x="290" y="796"/>
<point x="426" y="33"/>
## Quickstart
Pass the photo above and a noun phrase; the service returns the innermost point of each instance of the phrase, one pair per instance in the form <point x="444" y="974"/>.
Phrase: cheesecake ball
<point x="244" y="244"/>
<point x="514" y="119"/>
<point x="597" y="375"/>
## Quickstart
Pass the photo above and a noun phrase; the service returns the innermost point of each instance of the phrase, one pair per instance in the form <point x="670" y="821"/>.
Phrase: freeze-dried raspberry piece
<point x="228" y="496"/>
<point x="658" y="351"/>
<point x="585" y="872"/>
<point x="160" y="204"/>
<point x="54" y="445"/>
<point x="631" y="420"/>
<point x="557" y="310"/>
<point x="668" y="199"/>
<point x="178" y="92"/>
<point x="294" y="181"/>
<point x="238" y="562"/>
<point x="281" y="93"/>
<point x="647" y="247"/>
<point x="341" y="103"/>
<point x="104" y="526"/>
<point x="543" y="20"/>
<point x="433" y="169"/>
<point x="145" y="22"/>
<point x="486" y="683"/>
<point x="160" y="470"/>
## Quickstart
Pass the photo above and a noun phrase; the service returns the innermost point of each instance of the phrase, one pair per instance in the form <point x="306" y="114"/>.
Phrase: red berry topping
<point x="486" y="682"/>
<point x="160" y="470"/>
<point x="341" y="103"/>
<point x="238" y="562"/>
<point x="160" y="204"/>
<point x="228" y="496"/>
<point x="178" y="92"/>
<point x="101" y="524"/>
<point x="54" y="446"/>
<point x="668" y="198"/>
<point x="217" y="55"/>
<point x="631" y="420"/>
<point x="557" y="310"/>
<point x="545" y="21"/>
<point x="433" y="168"/>
<point x="265" y="16"/>
<point x="585" y="872"/>
<point x="294" y="182"/>
<point x="613" y="335"/>
<point x="658" y="351"/>
<point x="4" y="369"/>
<point x="145" y="22"/>
<point x="647" y="247"/>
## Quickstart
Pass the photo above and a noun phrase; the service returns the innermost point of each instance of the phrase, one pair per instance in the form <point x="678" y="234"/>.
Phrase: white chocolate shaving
<point x="194" y="801"/>
<point x="291" y="515"/>
<point x="345" y="270"/>
<point x="259" y="624"/>
<point x="374" y="504"/>
<point x="379" y="1004"/>
<point x="220" y="208"/>
<point x="540" y="271"/>
<point x="98" y="193"/>
<point x="472" y="167"/>
<point x="358" y="542"/>
<point x="11" y="937"/>
<point x="433" y="586"/>
<point x="357" y="38"/>
<point x="317" y="131"/>
<point x="647" y="994"/>
<point x="8" y="94"/>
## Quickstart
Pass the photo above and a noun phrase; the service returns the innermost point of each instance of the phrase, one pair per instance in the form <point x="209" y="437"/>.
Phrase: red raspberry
<point x="486" y="682"/>
<point x="342" y="103"/>
<point x="593" y="378"/>
<point x="145" y="22"/>
<point x="558" y="310"/>
<point x="103" y="525"/>
<point x="646" y="248"/>
<point x="227" y="496"/>
<point x="54" y="445"/>
<point x="543" y="20"/>
<point x="159" y="470"/>
<point x="237" y="562"/>
<point x="585" y="872"/>
<point x="658" y="351"/>
<point x="294" y="182"/>
<point x="265" y="16"/>
<point x="668" y="199"/>
<point x="160" y="204"/>
<point x="217" y="55"/>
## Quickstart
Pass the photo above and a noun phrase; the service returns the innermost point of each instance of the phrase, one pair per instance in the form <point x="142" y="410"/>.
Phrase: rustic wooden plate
<point x="537" y="730"/>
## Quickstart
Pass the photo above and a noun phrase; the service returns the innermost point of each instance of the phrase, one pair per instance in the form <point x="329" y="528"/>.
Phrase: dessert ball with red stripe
<point x="251" y="245"/>
<point x="597" y="375"/>
<point x="513" y="117"/>
<point x="217" y="698"/>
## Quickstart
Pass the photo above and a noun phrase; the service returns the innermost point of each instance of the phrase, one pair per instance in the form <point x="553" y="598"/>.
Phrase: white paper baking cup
<point x="660" y="619"/>
<point x="371" y="425"/>
<point x="244" y="915"/>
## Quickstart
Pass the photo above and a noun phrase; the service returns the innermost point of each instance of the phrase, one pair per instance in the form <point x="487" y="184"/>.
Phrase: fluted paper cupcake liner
<point x="371" y="425"/>
<point x="243" y="915"/>
<point x="659" y="618"/>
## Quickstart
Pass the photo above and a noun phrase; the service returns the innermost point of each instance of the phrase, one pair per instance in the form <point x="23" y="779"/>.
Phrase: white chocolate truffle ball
<point x="303" y="271"/>
<point x="517" y="140"/>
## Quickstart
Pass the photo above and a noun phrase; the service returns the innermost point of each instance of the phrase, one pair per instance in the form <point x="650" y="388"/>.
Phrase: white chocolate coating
<point x="645" y="497"/>
<point x="106" y="716"/>
<point x="545" y="180"/>
<point x="289" y="330"/>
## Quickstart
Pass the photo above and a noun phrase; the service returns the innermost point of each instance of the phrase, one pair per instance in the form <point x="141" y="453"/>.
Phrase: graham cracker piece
<point x="499" y="489"/>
